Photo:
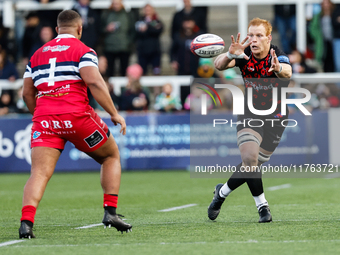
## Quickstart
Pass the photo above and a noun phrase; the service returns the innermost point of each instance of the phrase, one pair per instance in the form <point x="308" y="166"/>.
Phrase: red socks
<point x="28" y="213"/>
<point x="110" y="200"/>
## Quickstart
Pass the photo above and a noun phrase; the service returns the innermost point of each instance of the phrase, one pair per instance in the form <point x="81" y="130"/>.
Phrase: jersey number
<point x="52" y="62"/>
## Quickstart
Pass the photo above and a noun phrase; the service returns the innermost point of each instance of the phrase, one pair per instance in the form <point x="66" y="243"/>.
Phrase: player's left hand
<point x="117" y="119"/>
<point x="275" y="67"/>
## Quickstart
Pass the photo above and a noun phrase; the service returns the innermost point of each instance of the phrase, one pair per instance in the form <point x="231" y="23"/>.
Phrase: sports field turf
<point x="306" y="217"/>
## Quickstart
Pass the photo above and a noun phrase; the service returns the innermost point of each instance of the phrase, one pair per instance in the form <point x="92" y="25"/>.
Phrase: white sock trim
<point x="260" y="201"/>
<point x="225" y="191"/>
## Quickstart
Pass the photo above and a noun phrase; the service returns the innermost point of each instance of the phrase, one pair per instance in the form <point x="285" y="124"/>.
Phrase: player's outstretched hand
<point x="275" y="67"/>
<point x="237" y="48"/>
<point x="117" y="119"/>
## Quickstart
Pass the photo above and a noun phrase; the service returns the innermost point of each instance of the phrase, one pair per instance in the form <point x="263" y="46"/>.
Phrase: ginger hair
<point x="258" y="22"/>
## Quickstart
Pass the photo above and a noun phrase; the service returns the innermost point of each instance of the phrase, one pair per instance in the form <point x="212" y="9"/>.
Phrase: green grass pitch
<point x="306" y="217"/>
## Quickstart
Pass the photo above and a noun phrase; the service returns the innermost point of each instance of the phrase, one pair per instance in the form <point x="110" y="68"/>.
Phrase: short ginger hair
<point x="258" y="22"/>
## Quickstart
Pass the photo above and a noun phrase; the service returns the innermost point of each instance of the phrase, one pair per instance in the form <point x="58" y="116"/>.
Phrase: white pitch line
<point x="90" y="226"/>
<point x="11" y="242"/>
<point x="176" y="208"/>
<point x="283" y="186"/>
<point x="182" y="243"/>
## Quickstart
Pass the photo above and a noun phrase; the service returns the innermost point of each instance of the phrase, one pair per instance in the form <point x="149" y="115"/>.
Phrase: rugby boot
<point x="25" y="231"/>
<point x="215" y="206"/>
<point x="114" y="220"/>
<point x="265" y="215"/>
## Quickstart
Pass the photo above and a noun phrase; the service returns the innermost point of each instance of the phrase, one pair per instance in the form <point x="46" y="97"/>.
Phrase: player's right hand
<point x="237" y="48"/>
<point x="117" y="119"/>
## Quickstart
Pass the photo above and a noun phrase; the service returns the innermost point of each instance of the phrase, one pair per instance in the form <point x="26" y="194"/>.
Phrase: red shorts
<point x="87" y="131"/>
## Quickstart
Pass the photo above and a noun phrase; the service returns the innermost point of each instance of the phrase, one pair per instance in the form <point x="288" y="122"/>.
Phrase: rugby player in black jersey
<point x="264" y="66"/>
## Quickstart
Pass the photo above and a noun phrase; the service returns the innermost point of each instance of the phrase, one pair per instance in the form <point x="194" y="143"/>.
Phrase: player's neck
<point x="69" y="31"/>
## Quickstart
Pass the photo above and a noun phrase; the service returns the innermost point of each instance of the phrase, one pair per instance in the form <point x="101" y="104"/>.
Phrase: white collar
<point x="65" y="36"/>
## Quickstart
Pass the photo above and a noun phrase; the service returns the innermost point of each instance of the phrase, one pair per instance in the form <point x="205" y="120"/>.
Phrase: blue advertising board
<point x="152" y="141"/>
<point x="171" y="141"/>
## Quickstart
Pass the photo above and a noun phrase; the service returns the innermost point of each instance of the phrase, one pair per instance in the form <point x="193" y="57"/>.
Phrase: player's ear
<point x="56" y="29"/>
<point x="80" y="30"/>
<point x="270" y="38"/>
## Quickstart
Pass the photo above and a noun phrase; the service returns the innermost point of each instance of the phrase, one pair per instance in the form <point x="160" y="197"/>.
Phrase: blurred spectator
<point x="149" y="29"/>
<point x="19" y="30"/>
<point x="225" y="94"/>
<point x="327" y="97"/>
<point x="336" y="37"/>
<point x="46" y="16"/>
<point x="134" y="98"/>
<point x="298" y="61"/>
<point x="9" y="72"/>
<point x="285" y="20"/>
<point x="199" y="14"/>
<point x="206" y="68"/>
<point x="90" y="19"/>
<point x="44" y="1"/>
<point x="7" y="68"/>
<point x="118" y="29"/>
<point x="321" y="30"/>
<point x="7" y="104"/>
<point x="46" y="34"/>
<point x="21" y="106"/>
<point x="182" y="59"/>
<point x="31" y="34"/>
<point x="3" y="36"/>
<point x="166" y="102"/>
<point x="102" y="65"/>
<point x="114" y="97"/>
<point x="193" y="102"/>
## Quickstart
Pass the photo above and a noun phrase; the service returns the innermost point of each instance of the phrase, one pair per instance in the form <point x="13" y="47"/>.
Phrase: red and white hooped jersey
<point x="54" y="69"/>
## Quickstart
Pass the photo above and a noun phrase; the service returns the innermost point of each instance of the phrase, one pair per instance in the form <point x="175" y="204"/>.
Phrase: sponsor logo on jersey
<point x="56" y="48"/>
<point x="95" y="60"/>
<point x="51" y="92"/>
<point x="278" y="139"/>
<point x="258" y="87"/>
<point x="36" y="134"/>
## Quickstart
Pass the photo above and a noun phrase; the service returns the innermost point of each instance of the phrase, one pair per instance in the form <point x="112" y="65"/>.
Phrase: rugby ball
<point x="207" y="45"/>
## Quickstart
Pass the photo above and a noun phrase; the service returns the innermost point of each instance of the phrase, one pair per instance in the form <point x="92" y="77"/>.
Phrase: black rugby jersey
<point x="255" y="74"/>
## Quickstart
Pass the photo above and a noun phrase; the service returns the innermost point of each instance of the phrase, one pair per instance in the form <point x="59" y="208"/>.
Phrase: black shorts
<point x="270" y="131"/>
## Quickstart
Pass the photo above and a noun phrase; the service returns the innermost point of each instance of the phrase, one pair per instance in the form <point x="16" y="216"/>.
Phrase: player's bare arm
<point x="29" y="93"/>
<point x="236" y="50"/>
<point x="94" y="80"/>
<point x="281" y="70"/>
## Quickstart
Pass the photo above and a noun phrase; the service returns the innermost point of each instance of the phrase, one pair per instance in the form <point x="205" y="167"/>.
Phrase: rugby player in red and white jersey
<point x="55" y="85"/>
<point x="264" y="66"/>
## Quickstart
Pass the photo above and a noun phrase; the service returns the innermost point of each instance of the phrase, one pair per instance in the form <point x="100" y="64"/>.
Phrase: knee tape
<point x="263" y="157"/>
<point x="247" y="137"/>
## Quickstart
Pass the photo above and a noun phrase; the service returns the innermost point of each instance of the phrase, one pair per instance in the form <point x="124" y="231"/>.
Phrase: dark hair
<point x="188" y="18"/>
<point x="67" y="18"/>
<point x="31" y="14"/>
